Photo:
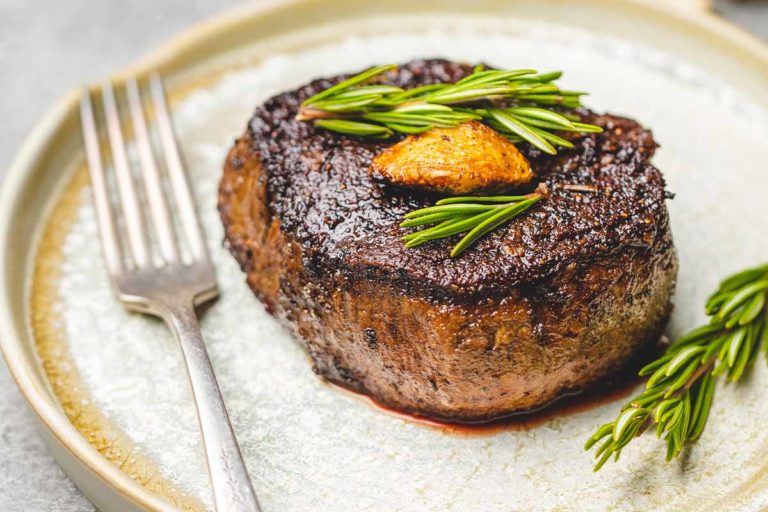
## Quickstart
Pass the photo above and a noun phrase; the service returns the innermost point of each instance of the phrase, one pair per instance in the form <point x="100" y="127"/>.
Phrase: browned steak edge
<point x="455" y="361"/>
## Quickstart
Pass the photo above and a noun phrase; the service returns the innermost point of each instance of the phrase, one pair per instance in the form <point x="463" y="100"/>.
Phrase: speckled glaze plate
<point x="109" y="387"/>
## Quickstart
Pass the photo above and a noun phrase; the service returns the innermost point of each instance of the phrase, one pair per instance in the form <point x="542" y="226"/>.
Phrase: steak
<point x="548" y="304"/>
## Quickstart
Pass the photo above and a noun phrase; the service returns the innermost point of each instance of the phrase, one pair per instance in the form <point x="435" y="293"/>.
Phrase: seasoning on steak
<point x="545" y="305"/>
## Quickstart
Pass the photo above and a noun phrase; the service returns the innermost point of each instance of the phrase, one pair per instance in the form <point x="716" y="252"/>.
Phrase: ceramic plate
<point x="110" y="389"/>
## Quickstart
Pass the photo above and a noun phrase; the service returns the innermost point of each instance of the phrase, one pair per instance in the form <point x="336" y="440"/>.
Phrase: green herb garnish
<point x="455" y="215"/>
<point x="508" y="101"/>
<point x="678" y="395"/>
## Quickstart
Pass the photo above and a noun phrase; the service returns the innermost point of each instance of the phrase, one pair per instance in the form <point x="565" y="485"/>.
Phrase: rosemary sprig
<point x="477" y="215"/>
<point x="508" y="101"/>
<point x="678" y="395"/>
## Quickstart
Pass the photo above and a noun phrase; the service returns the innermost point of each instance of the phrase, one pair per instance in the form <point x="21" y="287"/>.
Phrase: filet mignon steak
<point x="548" y="304"/>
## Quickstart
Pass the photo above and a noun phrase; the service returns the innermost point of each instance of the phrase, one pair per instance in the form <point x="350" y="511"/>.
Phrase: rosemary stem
<point x="703" y="369"/>
<point x="310" y="114"/>
<point x="378" y="110"/>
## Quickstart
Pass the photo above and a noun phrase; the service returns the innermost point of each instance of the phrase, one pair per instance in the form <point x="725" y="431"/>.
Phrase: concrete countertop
<point x="46" y="48"/>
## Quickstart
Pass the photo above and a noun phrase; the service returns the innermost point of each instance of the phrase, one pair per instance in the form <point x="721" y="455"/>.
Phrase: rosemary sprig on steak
<point x="508" y="101"/>
<point x="678" y="395"/>
<point x="477" y="215"/>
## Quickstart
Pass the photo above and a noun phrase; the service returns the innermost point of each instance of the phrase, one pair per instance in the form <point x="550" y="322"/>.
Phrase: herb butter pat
<point x="468" y="158"/>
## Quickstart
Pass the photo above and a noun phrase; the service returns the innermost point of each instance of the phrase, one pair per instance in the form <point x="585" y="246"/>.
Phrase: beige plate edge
<point x="55" y="140"/>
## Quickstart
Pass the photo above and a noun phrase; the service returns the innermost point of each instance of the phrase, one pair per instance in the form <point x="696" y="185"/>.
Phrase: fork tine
<point x="177" y="175"/>
<point x="111" y="244"/>
<point x="125" y="186"/>
<point x="152" y="181"/>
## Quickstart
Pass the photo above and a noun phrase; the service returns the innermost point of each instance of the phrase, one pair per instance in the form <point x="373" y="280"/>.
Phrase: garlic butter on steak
<point x="468" y="158"/>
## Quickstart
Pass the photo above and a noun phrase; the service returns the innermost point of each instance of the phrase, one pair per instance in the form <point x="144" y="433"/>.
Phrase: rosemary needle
<point x="510" y="101"/>
<point x="477" y="216"/>
<point x="681" y="383"/>
<point x="488" y="225"/>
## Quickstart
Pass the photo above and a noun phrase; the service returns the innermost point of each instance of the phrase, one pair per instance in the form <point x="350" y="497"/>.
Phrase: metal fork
<point x="168" y="283"/>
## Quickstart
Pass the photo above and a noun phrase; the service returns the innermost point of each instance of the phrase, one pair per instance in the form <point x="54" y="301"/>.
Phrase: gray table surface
<point x="46" y="48"/>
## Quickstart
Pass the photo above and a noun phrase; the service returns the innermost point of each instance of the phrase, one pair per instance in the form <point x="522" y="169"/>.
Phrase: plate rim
<point x="101" y="481"/>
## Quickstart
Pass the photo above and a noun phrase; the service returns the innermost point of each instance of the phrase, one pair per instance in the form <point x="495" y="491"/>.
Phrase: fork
<point x="160" y="278"/>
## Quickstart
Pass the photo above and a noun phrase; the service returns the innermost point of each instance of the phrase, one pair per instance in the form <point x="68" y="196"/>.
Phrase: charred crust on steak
<point x="545" y="305"/>
<point x="320" y="190"/>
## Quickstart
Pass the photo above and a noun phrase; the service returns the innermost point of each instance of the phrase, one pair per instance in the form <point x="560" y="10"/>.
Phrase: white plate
<point x="111" y="387"/>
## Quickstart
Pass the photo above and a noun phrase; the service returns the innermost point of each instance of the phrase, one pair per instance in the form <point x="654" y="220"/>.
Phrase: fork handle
<point x="232" y="489"/>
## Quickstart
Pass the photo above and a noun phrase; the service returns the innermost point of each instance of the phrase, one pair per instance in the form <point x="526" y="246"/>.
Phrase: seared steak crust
<point x="547" y="304"/>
